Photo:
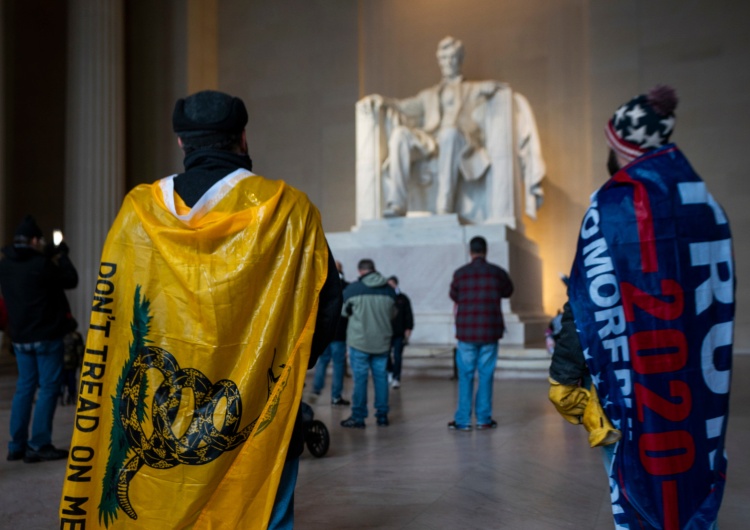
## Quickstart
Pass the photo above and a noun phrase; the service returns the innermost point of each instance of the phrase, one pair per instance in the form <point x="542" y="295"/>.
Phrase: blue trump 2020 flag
<point x="652" y="291"/>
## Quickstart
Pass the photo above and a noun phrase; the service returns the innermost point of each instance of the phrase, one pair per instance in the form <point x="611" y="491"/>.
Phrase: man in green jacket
<point x="370" y="304"/>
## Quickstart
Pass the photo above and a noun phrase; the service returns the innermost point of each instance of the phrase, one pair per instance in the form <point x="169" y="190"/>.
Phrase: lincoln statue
<point x="435" y="151"/>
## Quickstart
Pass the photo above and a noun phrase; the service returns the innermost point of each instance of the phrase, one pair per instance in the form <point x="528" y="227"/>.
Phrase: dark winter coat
<point x="404" y="319"/>
<point x="33" y="285"/>
<point x="568" y="365"/>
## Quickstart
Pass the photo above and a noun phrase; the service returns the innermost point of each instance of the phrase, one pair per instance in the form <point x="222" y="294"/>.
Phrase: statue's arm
<point x="489" y="88"/>
<point x="410" y="107"/>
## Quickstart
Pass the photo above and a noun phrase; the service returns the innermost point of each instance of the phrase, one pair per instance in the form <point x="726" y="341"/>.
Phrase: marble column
<point x="95" y="150"/>
<point x="202" y="45"/>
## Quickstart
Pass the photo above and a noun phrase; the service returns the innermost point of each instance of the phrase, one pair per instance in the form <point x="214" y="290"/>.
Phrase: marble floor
<point x="534" y="472"/>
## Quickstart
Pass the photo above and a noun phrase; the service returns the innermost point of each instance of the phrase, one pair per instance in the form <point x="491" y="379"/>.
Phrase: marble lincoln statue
<point x="465" y="147"/>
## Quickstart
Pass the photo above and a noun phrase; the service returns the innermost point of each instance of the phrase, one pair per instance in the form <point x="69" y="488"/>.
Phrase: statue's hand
<point x="373" y="101"/>
<point x="488" y="88"/>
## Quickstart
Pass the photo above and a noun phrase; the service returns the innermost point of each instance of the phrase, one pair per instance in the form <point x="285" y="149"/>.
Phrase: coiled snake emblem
<point x="200" y="443"/>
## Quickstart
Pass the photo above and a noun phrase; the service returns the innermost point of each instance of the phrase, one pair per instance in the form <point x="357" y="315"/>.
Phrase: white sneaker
<point x="390" y="378"/>
<point x="396" y="384"/>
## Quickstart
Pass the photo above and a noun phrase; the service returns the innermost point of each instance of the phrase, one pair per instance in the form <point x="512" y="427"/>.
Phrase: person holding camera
<point x="33" y="279"/>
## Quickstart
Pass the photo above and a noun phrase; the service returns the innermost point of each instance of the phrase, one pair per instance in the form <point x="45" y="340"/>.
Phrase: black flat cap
<point x="209" y="111"/>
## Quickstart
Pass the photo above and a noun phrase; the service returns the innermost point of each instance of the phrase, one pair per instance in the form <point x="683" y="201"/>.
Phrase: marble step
<point x="436" y="360"/>
<point x="514" y="362"/>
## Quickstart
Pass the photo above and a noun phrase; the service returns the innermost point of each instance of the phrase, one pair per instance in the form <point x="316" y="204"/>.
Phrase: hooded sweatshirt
<point x="370" y="304"/>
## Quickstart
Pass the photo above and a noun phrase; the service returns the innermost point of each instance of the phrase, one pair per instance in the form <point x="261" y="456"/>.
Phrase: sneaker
<point x="340" y="401"/>
<point x="484" y="426"/>
<point x="396" y="384"/>
<point x="353" y="424"/>
<point x="16" y="455"/>
<point x="390" y="377"/>
<point x="45" y="453"/>
<point x="458" y="426"/>
<point x="383" y="421"/>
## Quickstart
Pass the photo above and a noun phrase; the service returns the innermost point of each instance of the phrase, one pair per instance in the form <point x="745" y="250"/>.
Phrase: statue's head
<point x="450" y="55"/>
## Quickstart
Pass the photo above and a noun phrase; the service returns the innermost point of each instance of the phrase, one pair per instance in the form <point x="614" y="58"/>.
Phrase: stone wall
<point x="302" y="65"/>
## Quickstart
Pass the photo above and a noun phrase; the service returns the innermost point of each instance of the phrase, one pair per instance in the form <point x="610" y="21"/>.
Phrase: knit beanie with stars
<point x="643" y="123"/>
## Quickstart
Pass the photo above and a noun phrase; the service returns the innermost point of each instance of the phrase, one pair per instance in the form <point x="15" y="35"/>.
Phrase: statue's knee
<point x="399" y="134"/>
<point x="449" y="134"/>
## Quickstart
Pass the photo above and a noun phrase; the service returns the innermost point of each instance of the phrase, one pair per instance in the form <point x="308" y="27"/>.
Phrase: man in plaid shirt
<point x="477" y="289"/>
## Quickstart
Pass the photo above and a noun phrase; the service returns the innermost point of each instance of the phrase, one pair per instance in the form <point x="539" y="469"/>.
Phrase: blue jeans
<point x="282" y="513"/>
<point x="362" y="363"/>
<point x="69" y="382"/>
<point x="474" y="357"/>
<point x="336" y="352"/>
<point x="39" y="365"/>
<point x="397" y="351"/>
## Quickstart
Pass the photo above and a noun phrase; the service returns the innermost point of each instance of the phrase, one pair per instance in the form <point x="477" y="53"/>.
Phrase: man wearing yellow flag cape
<point x="215" y="293"/>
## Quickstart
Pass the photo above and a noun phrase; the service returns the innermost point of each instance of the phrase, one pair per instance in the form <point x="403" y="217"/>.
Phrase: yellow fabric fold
<point x="581" y="406"/>
<point x="569" y="400"/>
<point x="595" y="421"/>
<point x="196" y="355"/>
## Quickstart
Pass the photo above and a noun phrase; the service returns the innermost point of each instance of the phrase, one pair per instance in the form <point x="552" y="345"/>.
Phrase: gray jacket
<point x="370" y="304"/>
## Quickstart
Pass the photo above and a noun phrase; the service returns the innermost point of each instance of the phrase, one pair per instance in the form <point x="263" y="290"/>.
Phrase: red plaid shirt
<point x="477" y="289"/>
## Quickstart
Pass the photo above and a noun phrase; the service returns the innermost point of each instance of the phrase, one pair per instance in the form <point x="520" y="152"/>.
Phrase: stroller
<point x="317" y="439"/>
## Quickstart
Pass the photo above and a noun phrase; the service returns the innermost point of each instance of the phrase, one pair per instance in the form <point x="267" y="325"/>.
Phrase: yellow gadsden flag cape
<point x="200" y="335"/>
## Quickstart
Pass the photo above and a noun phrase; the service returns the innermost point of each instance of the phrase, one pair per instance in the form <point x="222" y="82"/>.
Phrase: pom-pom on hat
<point x="28" y="229"/>
<point x="209" y="112"/>
<point x="643" y="123"/>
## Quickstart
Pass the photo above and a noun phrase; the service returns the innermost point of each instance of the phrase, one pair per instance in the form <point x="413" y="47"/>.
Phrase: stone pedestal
<point x="424" y="251"/>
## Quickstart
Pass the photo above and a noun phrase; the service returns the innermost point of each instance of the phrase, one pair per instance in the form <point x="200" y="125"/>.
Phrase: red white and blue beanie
<point x="643" y="123"/>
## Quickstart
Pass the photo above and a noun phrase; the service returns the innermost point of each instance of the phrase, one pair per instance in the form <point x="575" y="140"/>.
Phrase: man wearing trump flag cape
<point x="215" y="293"/>
<point x="644" y="358"/>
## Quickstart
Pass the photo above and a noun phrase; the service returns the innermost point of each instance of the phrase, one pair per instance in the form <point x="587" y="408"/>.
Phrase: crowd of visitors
<point x="227" y="288"/>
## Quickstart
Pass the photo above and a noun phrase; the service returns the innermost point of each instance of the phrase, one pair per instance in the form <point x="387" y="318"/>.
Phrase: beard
<point x="612" y="165"/>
